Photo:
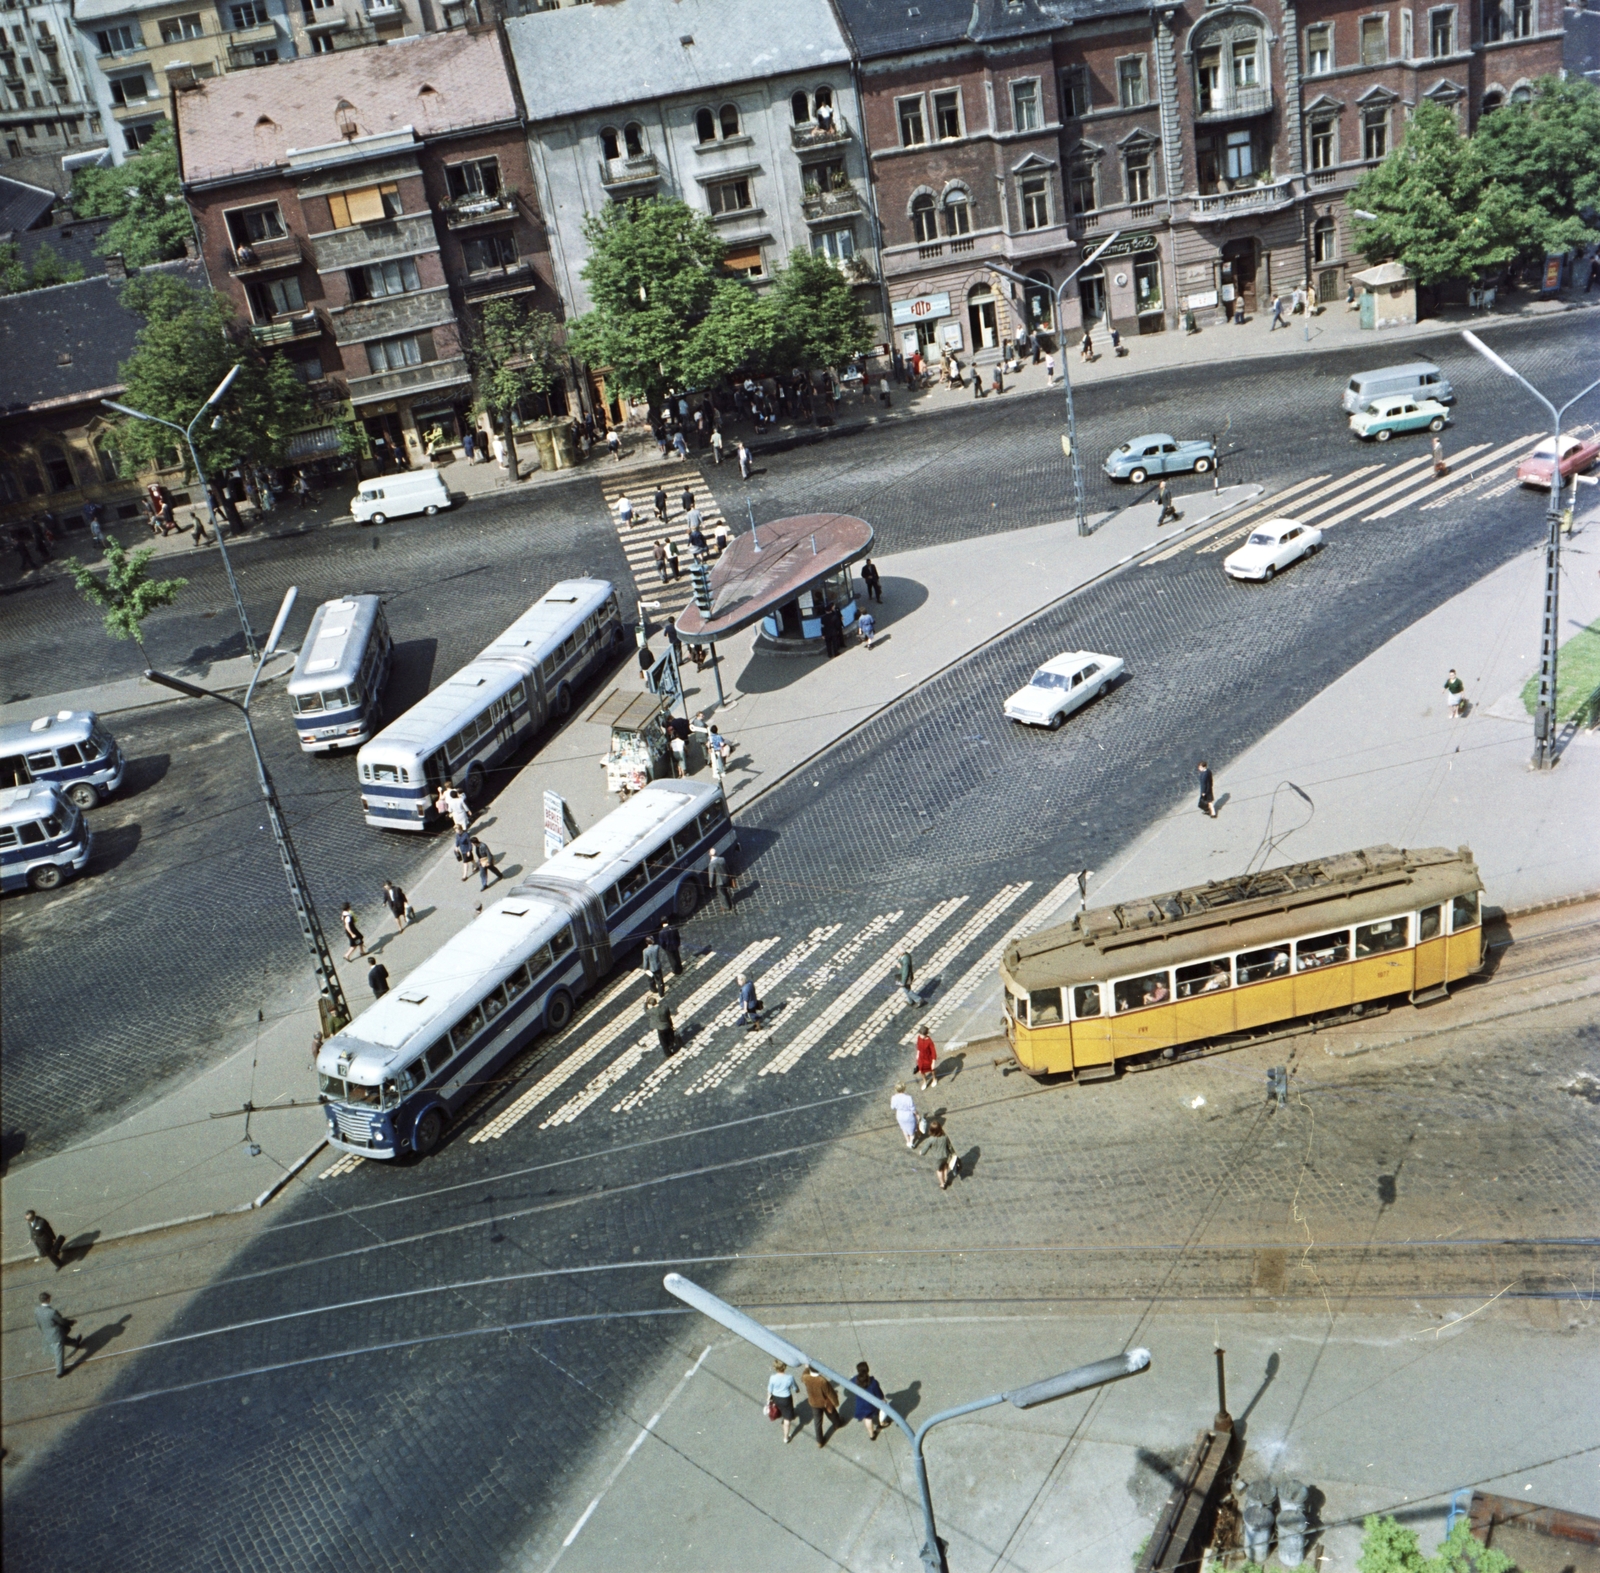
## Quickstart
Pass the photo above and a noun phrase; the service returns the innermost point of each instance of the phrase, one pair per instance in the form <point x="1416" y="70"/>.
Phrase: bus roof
<point x="553" y="616"/>
<point x="597" y="855"/>
<point x="1241" y="913"/>
<point x="61" y="726"/>
<point x="21" y="804"/>
<point x="334" y="643"/>
<point x="432" y="997"/>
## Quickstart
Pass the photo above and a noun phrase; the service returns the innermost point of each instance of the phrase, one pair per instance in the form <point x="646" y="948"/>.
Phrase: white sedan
<point x="1061" y="685"/>
<point x="1272" y="546"/>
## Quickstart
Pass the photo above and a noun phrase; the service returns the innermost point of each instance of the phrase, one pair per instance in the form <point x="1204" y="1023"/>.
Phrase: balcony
<point x="624" y="174"/>
<point x="815" y="139"/>
<point x="336" y="23"/>
<point x="478" y="208"/>
<point x="380" y="241"/>
<point x="385" y="11"/>
<point x="841" y="202"/>
<point x="430" y="376"/>
<point x="509" y="280"/>
<point x="267" y="256"/>
<point x="1263" y="198"/>
<point x="1238" y="103"/>
<point x="391" y="315"/>
<point x="286" y="330"/>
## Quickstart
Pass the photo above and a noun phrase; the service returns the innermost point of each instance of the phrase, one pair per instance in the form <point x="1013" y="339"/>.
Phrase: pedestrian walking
<point x="719" y="749"/>
<point x="905" y="975"/>
<point x="1049" y="371"/>
<point x="716" y="444"/>
<point x="719" y="879"/>
<point x="832" y="630"/>
<point x="624" y="512"/>
<point x="679" y="446"/>
<point x="1169" y="509"/>
<point x="903" y="1106"/>
<point x="1440" y="468"/>
<point x="464" y="853"/>
<point x="1277" y="314"/>
<point x="659" y="550"/>
<point x="394" y="898"/>
<point x="719" y="537"/>
<point x="1086" y="348"/>
<point x="483" y="861"/>
<point x="652" y="960"/>
<point x="781" y="1390"/>
<point x="657" y="1015"/>
<point x="999" y="381"/>
<point x="1207" y="789"/>
<point x="672" y="559"/>
<point x="1116" y="344"/>
<point x="56" y="1330"/>
<point x="693" y="521"/>
<point x="457" y="807"/>
<point x="868" y="625"/>
<point x="96" y="534"/>
<point x="1297" y="301"/>
<point x="614" y="444"/>
<point x="687" y="500"/>
<point x="927" y="1058"/>
<point x="352" y="932"/>
<point x="1457" y="690"/>
<point x="198" y="521"/>
<point x="378" y="979"/>
<point x="671" y="944"/>
<point x="1311" y="300"/>
<point x="824" y="1400"/>
<point x="947" y="1166"/>
<point x="661" y="503"/>
<point x="748" y="1003"/>
<point x="46" y="1242"/>
<point x="869" y="1414"/>
<point x="697" y="543"/>
<point x="742" y="453"/>
<point x="871" y="578"/>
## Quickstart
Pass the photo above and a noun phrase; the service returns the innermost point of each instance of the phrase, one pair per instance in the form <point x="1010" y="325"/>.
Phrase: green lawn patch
<point x="1577" y="675"/>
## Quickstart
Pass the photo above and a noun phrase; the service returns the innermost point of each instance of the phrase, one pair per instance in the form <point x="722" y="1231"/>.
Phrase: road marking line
<point x="1336" y="486"/>
<point x="1385" y="473"/>
<point x="1205" y="530"/>
<point x="1452" y="480"/>
<point x="344" y="1165"/>
<point x="630" y="1056"/>
<point x="847" y="1000"/>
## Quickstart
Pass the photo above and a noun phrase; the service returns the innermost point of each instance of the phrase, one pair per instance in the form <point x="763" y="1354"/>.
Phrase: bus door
<point x="1430" y="949"/>
<point x="1091" y="1027"/>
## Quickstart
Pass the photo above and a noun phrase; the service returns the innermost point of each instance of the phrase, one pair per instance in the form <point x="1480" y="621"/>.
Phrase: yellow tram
<point x="1240" y="955"/>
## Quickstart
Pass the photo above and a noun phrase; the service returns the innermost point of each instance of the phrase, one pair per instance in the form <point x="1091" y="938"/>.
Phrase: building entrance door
<point x="1092" y="292"/>
<point x="1239" y="270"/>
<point x="1328" y="286"/>
<point x="388" y="439"/>
<point x="980" y="309"/>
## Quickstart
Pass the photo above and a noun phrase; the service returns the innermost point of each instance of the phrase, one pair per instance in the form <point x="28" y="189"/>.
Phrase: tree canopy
<point x="182" y="352"/>
<point x="144" y="196"/>
<point x="512" y="352"/>
<point x="47" y="269"/>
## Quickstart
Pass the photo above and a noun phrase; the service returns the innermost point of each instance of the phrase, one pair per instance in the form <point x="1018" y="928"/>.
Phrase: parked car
<point x="1159" y="454"/>
<point x="1062" y="685"/>
<point x="1384" y="417"/>
<point x="1577" y="455"/>
<point x="1272" y="546"/>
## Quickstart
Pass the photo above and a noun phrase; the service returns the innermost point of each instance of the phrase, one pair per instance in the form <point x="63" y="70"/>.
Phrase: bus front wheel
<point x="687" y="901"/>
<point x="564" y="700"/>
<point x="84" y="795"/>
<point x="46" y="877"/>
<point x="557" y="1011"/>
<point x="427" y="1133"/>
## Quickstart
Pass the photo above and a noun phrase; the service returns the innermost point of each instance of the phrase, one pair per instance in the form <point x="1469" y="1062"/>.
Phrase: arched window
<point x="729" y="117"/>
<point x="957" y="214"/>
<point x="705" y="125"/>
<point x="1491" y="102"/>
<point x="633" y="139"/>
<point x="924" y="222"/>
<point x="799" y="109"/>
<point x="824" y="95"/>
<point x="1522" y="94"/>
<point x="56" y="467"/>
<point x="1040" y="299"/>
<point x="610" y="144"/>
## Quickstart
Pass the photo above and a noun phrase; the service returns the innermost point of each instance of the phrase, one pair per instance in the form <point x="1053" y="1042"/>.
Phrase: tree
<point x="182" y="352"/>
<point x="1545" y="150"/>
<point x="1438" y="210"/>
<point x="127" y="594"/>
<point x="512" y="354"/>
<point x="48" y="268"/>
<point x="816" y="315"/>
<point x="736" y="333"/>
<point x="145" y="198"/>
<point x="1387" y="1546"/>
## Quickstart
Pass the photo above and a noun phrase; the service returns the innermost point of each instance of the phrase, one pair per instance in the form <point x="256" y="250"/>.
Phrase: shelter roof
<point x="22" y="206"/>
<point x="1384" y="274"/>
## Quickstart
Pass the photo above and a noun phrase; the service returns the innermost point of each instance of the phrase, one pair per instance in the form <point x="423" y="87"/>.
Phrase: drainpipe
<point x="872" y="202"/>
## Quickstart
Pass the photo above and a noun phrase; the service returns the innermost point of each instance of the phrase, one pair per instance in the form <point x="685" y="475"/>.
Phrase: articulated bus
<point x="1236" y="956"/>
<point x="336" y="688"/>
<point x="473" y="720"/>
<point x="393" y="1078"/>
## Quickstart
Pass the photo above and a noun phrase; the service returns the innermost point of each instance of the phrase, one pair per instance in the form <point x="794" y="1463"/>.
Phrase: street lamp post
<point x="1066" y="376"/>
<point x="188" y="437"/>
<point x="753" y="1332"/>
<point x="328" y="983"/>
<point x="1544" y="715"/>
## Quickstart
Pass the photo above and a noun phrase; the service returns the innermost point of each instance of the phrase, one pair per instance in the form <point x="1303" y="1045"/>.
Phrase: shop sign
<point x="924" y="308"/>
<point x="1129" y="246"/>
<point x="1205" y="298"/>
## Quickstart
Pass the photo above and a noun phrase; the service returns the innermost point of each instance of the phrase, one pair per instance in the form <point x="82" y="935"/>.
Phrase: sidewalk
<point x="174" y="1160"/>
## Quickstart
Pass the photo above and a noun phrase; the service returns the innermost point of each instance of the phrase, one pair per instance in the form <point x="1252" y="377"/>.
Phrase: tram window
<point x="1375" y="938"/>
<point x="1086" y="1000"/>
<point x="1151" y="989"/>
<point x="1428" y="923"/>
<point x="1254" y="965"/>
<point x="1044" y="1007"/>
<point x="1019" y="1008"/>
<point x="1205" y="977"/>
<point x="461" y="1034"/>
<point x="560" y="942"/>
<point x="439" y="1055"/>
<point x="1463" y="912"/>
<point x="1326" y="950"/>
<point x="659" y="861"/>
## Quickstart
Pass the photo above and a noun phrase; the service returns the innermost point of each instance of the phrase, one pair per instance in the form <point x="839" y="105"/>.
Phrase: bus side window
<point x="633" y="882"/>
<point x="493" y="1003"/>
<point x="31" y="834"/>
<point x="1254" y="965"/>
<point x="42" y="761"/>
<point x="518" y="697"/>
<point x="1150" y="989"/>
<point x="659" y="861"/>
<point x="13" y="771"/>
<point x="1428" y="923"/>
<point x="1463" y="912"/>
<point x="1044" y="1006"/>
<point x="519" y="982"/>
<point x="539" y="963"/>
<point x="1086" y="1000"/>
<point x="561" y="942"/>
<point x="1373" y="939"/>
<point x="464" y="1030"/>
<point x="439" y="1055"/>
<point x="714" y="819"/>
<point x="683" y="844"/>
<point x="613" y="899"/>
<point x="70" y="754"/>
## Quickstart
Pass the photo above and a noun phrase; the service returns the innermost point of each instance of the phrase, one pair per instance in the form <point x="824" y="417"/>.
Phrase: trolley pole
<point x="1545" y="719"/>
<point x="336" y="1011"/>
<point x="1066" y="376"/>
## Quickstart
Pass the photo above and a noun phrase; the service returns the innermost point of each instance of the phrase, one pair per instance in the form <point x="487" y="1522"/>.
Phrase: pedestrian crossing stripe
<point x="1334" y="486"/>
<point x="848" y="998"/>
<point x="344" y="1165"/>
<point x="719" y="982"/>
<point x="1230" y="519"/>
<point x="1451" y="480"/>
<point x="638" y="539"/>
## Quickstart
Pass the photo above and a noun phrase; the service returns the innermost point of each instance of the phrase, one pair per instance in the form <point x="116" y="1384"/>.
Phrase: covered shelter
<point x="783" y="575"/>
<point x="1388" y="295"/>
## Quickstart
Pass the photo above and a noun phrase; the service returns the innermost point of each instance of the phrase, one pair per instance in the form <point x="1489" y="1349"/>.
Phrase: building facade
<point x="358" y="209"/>
<point x="1219" y="142"/>
<point x="50" y="114"/>
<point x="747" y="114"/>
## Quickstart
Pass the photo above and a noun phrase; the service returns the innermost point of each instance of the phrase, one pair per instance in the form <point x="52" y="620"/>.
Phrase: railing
<point x="1253" y="198"/>
<point x="260" y="255"/>
<point x="1142" y="212"/>
<point x="930" y="253"/>
<point x="815" y="136"/>
<point x="966" y="243"/>
<point x="502" y="281"/>
<point x="637" y="171"/>
<point x="430" y="374"/>
<point x="831" y="204"/>
<point x="1324" y="177"/>
<point x="390" y="315"/>
<point x="284" y="330"/>
<point x="478" y="208"/>
<point x="1236" y="103"/>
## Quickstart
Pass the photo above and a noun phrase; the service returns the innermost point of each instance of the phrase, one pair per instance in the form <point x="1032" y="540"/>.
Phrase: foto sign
<point x="921" y="308"/>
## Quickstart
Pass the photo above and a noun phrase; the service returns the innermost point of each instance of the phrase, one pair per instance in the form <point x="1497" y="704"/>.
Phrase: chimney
<point x="116" y="267"/>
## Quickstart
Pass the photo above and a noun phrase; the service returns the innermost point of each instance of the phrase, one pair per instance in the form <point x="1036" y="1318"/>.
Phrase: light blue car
<point x="1159" y="454"/>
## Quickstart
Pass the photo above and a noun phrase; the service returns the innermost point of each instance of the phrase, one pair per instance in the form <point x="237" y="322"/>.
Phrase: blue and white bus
<point x="473" y="720"/>
<point x="43" y="837"/>
<point x="70" y="748"/>
<point x="392" y="1079"/>
<point x="336" y="688"/>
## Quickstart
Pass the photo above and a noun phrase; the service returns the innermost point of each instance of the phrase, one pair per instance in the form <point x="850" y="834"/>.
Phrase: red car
<point x="1577" y="453"/>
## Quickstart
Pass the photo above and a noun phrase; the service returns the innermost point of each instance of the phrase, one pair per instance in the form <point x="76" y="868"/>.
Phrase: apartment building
<point x="359" y="208"/>
<point x="50" y="116"/>
<point x="747" y="113"/>
<point x="320" y="27"/>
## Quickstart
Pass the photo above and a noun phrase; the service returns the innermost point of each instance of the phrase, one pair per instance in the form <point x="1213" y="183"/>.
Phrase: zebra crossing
<point x="1372" y="491"/>
<point x="639" y="538"/>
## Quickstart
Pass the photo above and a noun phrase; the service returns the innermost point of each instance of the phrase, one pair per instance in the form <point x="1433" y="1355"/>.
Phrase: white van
<point x="1419" y="378"/>
<point x="391" y="496"/>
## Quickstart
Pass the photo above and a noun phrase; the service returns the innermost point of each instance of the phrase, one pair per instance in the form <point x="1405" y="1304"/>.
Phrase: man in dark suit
<point x="46" y="1242"/>
<point x="56" y="1330"/>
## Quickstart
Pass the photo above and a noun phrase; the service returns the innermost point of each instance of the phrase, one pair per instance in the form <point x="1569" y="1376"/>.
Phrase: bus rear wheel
<point x="564" y="700"/>
<point x="687" y="901"/>
<point x="427" y="1133"/>
<point x="557" y="1011"/>
<point x="46" y="877"/>
<point x="83" y="795"/>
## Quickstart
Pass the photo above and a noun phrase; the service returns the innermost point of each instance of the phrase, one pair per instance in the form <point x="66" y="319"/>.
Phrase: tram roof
<point x="1241" y="913"/>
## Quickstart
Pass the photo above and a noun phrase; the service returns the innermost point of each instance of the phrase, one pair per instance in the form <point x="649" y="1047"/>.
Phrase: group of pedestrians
<point x="54" y="1328"/>
<point x="784" y="1389"/>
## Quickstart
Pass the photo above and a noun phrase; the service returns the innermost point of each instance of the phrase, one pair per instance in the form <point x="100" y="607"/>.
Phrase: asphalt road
<point x="458" y="1440"/>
